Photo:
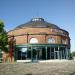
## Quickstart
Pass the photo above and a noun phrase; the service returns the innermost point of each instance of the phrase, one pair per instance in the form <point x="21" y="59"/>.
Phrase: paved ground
<point x="50" y="68"/>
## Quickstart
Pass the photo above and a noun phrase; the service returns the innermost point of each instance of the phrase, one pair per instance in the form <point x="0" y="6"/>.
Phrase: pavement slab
<point x="50" y="68"/>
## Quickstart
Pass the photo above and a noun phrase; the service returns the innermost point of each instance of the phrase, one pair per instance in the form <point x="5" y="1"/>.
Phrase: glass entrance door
<point x="34" y="54"/>
<point x="56" y="55"/>
<point x="21" y="54"/>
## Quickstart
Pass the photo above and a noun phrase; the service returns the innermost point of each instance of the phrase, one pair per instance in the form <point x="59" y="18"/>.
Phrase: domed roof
<point x="38" y="23"/>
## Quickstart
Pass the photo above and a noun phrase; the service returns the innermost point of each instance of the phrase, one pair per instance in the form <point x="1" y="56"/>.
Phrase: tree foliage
<point x="3" y="38"/>
<point x="73" y="54"/>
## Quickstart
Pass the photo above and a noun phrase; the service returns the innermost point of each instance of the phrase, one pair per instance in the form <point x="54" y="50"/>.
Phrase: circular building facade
<point x="40" y="40"/>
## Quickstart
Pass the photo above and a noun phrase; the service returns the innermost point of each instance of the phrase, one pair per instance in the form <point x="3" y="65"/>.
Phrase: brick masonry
<point x="58" y="35"/>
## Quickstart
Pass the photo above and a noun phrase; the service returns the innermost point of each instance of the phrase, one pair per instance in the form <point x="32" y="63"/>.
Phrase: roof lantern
<point x="37" y="19"/>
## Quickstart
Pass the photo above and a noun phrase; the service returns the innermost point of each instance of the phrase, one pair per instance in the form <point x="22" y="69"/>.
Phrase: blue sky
<point x="59" y="12"/>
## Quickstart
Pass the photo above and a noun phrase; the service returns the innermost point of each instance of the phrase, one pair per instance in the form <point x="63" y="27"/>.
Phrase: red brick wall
<point x="42" y="39"/>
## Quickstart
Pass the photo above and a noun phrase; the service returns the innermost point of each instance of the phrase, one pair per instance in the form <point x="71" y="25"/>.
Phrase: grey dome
<point x="38" y="23"/>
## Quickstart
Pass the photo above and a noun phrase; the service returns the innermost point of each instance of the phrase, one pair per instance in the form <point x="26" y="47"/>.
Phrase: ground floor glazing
<point x="35" y="52"/>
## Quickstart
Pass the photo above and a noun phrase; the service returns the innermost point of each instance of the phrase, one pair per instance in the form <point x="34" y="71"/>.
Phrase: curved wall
<point x="24" y="35"/>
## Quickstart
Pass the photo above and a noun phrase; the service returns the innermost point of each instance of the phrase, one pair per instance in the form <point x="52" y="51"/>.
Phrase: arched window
<point x="33" y="40"/>
<point x="51" y="40"/>
<point x="64" y="41"/>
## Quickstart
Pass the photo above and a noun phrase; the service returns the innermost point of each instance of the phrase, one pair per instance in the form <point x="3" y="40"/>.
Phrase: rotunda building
<point x="40" y="40"/>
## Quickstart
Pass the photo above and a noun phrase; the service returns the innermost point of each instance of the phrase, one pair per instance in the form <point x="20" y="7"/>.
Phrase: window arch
<point x="51" y="40"/>
<point x="64" y="41"/>
<point x="33" y="40"/>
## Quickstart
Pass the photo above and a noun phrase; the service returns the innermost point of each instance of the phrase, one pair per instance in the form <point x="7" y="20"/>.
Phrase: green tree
<point x="3" y="38"/>
<point x="73" y="54"/>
